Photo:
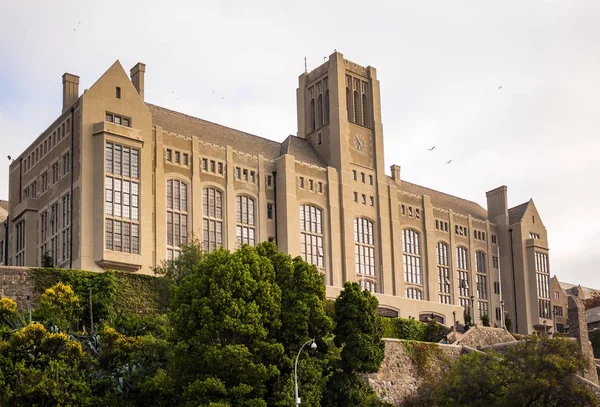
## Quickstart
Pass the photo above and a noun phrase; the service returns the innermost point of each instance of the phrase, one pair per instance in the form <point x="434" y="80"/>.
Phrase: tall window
<point x="349" y="104"/>
<point x="312" y="115"/>
<point x="357" y="111"/>
<point x="311" y="236"/>
<point x="66" y="226"/>
<point x="364" y="254"/>
<point x="320" y="111"/>
<point x="365" y="111"/>
<point x="20" y="244"/>
<point x="326" y="114"/>
<point x="54" y="225"/>
<point x="177" y="217"/>
<point x="245" y="220"/>
<point x="412" y="259"/>
<point x="212" y="218"/>
<point x="542" y="274"/>
<point x="481" y="276"/>
<point x="443" y="272"/>
<point x="462" y="266"/>
<point x="122" y="192"/>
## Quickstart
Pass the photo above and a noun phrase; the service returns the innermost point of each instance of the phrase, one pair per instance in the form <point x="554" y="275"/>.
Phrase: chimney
<point x="137" y="77"/>
<point x="70" y="90"/>
<point x="497" y="205"/>
<point x="396" y="174"/>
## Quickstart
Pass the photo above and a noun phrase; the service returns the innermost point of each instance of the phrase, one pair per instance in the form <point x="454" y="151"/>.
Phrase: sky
<point x="507" y="90"/>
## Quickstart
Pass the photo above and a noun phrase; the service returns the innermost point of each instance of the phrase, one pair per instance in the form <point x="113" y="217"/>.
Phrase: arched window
<point x="245" y="231"/>
<point x="320" y="111"/>
<point x="443" y="272"/>
<point x="357" y="111"/>
<point x="462" y="267"/>
<point x="414" y="293"/>
<point x="326" y="119"/>
<point x="365" y="110"/>
<point x="212" y="219"/>
<point x="349" y="104"/>
<point x="481" y="276"/>
<point x="177" y="217"/>
<point x="311" y="236"/>
<point x="364" y="254"/>
<point x="312" y="115"/>
<point x="412" y="257"/>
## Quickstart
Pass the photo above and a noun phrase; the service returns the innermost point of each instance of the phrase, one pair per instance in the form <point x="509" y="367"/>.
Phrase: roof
<point x="3" y="204"/>
<point x="516" y="213"/>
<point x="592" y="315"/>
<point x="570" y="289"/>
<point x="3" y="214"/>
<point x="442" y="200"/>
<point x="225" y="136"/>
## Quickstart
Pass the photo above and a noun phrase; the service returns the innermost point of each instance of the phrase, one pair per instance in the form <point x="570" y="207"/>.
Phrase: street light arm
<point x="296" y="399"/>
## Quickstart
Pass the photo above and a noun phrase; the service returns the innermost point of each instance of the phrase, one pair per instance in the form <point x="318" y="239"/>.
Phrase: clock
<point x="361" y="144"/>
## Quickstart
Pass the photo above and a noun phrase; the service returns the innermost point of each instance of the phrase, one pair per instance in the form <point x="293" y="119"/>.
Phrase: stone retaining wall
<point x="16" y="284"/>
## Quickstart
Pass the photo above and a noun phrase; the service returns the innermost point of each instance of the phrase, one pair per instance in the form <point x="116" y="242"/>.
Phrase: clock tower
<point x="339" y="114"/>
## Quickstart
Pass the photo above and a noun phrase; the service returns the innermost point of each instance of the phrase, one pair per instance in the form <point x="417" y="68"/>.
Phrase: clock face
<point x="361" y="144"/>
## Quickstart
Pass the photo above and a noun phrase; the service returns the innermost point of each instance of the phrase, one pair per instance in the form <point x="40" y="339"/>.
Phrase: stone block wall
<point x="16" y="284"/>
<point x="401" y="371"/>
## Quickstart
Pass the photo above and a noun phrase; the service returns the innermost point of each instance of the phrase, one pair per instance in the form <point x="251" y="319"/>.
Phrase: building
<point x="561" y="292"/>
<point x="118" y="183"/>
<point x="3" y="232"/>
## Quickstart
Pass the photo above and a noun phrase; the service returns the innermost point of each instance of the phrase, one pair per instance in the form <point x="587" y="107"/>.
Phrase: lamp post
<point x="473" y="307"/>
<point x="313" y="345"/>
<point x="454" y="316"/>
<point x="502" y="317"/>
<point x="545" y="332"/>
<point x="553" y="322"/>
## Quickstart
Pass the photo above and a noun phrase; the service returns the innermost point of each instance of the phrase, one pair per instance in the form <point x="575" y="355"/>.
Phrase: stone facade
<point x="399" y="376"/>
<point x="81" y="189"/>
<point x="578" y="330"/>
<point x="16" y="285"/>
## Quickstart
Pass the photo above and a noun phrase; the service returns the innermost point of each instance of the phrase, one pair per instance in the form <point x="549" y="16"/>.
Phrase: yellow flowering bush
<point x="60" y="304"/>
<point x="7" y="307"/>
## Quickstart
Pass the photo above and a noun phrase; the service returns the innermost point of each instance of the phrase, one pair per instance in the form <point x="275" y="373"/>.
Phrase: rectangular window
<point x="169" y="154"/>
<point x="205" y="164"/>
<point x="55" y="173"/>
<point x="66" y="163"/>
<point x="370" y="180"/>
<point x="177" y="157"/>
<point x="269" y="181"/>
<point x="354" y="175"/>
<point x="355" y="196"/>
<point x="126" y="122"/>
<point x="496" y="287"/>
<point x="118" y="93"/>
<point x="252" y="176"/>
<point x="556" y="295"/>
<point x="364" y="199"/>
<point x="311" y="185"/>
<point x="301" y="182"/>
<point x="238" y="173"/>
<point x="362" y="177"/>
<point x="494" y="239"/>
<point x="270" y="211"/>
<point x="558" y="311"/>
<point x="498" y="314"/>
<point x="372" y="201"/>
<point x="213" y="167"/>
<point x="117" y="120"/>
<point x="403" y="209"/>
<point x="495" y="263"/>
<point x="320" y="187"/>
<point x="220" y="168"/>
<point x="185" y="159"/>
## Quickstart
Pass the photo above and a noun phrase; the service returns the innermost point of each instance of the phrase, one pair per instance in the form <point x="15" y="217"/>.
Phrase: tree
<point x="535" y="372"/>
<point x="39" y="368"/>
<point x="60" y="305"/>
<point x="47" y="260"/>
<point x="224" y="314"/>
<point x="593" y="301"/>
<point x="358" y="332"/>
<point x="175" y="270"/>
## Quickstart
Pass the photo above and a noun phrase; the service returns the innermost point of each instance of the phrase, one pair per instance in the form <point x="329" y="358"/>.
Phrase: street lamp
<point x="473" y="307"/>
<point x="313" y="346"/>
<point x="502" y="318"/>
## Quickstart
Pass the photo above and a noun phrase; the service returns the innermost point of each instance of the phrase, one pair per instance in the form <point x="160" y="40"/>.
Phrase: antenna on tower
<point x="305" y="67"/>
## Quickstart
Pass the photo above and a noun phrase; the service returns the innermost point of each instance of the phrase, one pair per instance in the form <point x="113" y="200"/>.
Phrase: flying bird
<point x="9" y="157"/>
<point x="448" y="162"/>
<point x="500" y="87"/>
<point x="431" y="149"/>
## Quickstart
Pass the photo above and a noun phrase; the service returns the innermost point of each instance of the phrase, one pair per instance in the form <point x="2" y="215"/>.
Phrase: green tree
<point x="303" y="316"/>
<point x="47" y="260"/>
<point x="536" y="372"/>
<point x="60" y="305"/>
<point x="593" y="301"/>
<point x="39" y="368"/>
<point x="358" y="332"/>
<point x="225" y="313"/>
<point x="191" y="255"/>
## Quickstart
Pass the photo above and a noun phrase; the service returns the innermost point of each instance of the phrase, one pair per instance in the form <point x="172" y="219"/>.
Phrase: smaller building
<point x="3" y="232"/>
<point x="592" y="318"/>
<point x="561" y="292"/>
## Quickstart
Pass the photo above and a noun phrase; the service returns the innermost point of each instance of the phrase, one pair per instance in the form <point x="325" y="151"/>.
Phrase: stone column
<point x="578" y="330"/>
